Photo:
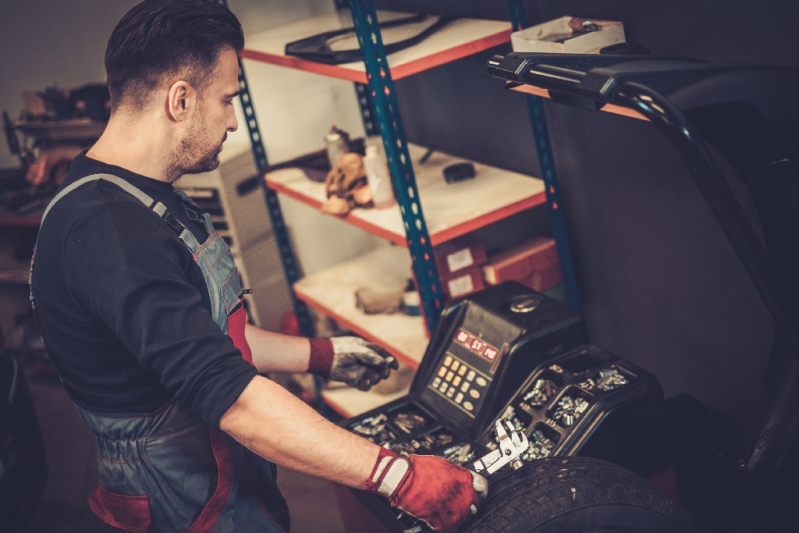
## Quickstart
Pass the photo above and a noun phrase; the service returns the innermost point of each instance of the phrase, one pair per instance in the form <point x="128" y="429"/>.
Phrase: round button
<point x="525" y="305"/>
<point x="468" y="406"/>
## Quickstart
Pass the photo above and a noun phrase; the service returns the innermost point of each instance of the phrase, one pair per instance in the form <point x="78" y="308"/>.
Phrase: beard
<point x="194" y="155"/>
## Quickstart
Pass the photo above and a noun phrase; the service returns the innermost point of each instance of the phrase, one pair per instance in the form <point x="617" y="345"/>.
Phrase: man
<point x="139" y="305"/>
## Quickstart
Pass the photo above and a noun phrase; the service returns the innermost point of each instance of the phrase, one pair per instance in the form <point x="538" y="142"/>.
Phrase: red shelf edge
<point x="399" y="240"/>
<point x="435" y="238"/>
<point x="489" y="218"/>
<point x="397" y="73"/>
<point x="331" y="71"/>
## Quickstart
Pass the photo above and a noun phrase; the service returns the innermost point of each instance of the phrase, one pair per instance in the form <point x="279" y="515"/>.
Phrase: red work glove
<point x="442" y="495"/>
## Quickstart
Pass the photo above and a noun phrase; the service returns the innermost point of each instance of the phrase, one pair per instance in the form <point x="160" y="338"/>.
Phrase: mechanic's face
<point x="215" y="116"/>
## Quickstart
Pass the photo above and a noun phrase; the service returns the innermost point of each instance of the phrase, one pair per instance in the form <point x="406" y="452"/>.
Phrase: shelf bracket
<point x="546" y="161"/>
<point x="387" y="115"/>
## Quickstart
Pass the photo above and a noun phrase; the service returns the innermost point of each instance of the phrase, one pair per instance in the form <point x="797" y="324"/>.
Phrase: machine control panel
<point x="461" y="384"/>
<point x="484" y="348"/>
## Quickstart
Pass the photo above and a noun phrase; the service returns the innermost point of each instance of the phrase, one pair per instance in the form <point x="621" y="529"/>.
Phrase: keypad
<point x="458" y="382"/>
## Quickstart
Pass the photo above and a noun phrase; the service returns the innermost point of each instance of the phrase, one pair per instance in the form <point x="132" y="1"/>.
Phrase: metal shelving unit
<point x="406" y="225"/>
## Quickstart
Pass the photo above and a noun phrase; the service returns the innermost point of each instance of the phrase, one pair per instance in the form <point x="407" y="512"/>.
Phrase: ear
<point x="181" y="100"/>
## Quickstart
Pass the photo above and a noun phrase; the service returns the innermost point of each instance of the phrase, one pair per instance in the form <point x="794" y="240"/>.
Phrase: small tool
<point x="512" y="444"/>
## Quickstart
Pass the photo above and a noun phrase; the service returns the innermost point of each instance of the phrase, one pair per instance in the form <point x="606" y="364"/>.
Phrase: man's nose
<point x="233" y="122"/>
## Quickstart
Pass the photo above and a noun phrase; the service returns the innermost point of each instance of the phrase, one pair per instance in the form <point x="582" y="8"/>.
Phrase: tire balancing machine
<point x="484" y="347"/>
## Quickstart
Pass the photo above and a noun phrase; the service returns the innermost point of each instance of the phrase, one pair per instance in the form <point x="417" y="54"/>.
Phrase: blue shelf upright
<point x="546" y="160"/>
<point x="389" y="122"/>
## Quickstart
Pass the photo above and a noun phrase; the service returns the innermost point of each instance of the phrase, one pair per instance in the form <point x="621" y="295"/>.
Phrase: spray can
<point x="378" y="177"/>
<point x="336" y="146"/>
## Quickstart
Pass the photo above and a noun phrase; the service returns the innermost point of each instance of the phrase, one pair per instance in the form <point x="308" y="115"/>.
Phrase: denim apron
<point x="168" y="471"/>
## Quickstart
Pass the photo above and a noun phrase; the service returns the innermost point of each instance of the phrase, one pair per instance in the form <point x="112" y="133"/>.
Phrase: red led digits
<point x="476" y="345"/>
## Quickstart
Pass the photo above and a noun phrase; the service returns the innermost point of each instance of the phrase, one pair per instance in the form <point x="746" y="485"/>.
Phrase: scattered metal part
<point x="588" y="384"/>
<point x="409" y="422"/>
<point x="540" y="446"/>
<point x="459" y="454"/>
<point x="443" y="438"/>
<point x="542" y="391"/>
<point x="610" y="379"/>
<point x="400" y="447"/>
<point x="509" y="415"/>
<point x="570" y="409"/>
<point x="369" y="427"/>
<point x="556" y="368"/>
<point x="465" y="454"/>
<point x="424" y="442"/>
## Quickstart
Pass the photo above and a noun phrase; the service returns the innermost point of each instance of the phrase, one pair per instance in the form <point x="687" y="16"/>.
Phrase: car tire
<point x="577" y="494"/>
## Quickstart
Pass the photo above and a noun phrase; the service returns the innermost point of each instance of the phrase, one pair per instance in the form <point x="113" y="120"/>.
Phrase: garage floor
<point x="73" y="477"/>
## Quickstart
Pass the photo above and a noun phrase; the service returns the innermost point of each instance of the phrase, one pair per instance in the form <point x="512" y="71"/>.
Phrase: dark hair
<point x="158" y="39"/>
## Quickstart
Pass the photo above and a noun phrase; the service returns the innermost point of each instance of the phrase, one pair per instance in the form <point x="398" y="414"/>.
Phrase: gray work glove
<point x="359" y="363"/>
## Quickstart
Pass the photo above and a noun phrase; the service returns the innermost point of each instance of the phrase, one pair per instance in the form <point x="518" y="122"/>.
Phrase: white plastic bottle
<point x="336" y="146"/>
<point x="378" y="176"/>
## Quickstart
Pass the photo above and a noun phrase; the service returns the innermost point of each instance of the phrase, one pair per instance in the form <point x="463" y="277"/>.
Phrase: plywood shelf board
<point x="332" y="292"/>
<point x="458" y="39"/>
<point x="450" y="210"/>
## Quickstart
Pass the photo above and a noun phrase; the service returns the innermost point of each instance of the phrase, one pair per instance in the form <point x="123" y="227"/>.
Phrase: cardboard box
<point x="455" y="256"/>
<point x="558" y="36"/>
<point x="533" y="263"/>
<point x="463" y="283"/>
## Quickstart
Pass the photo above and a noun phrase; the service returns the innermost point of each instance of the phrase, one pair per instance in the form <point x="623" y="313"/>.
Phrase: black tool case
<point x="593" y="403"/>
<point x="484" y="347"/>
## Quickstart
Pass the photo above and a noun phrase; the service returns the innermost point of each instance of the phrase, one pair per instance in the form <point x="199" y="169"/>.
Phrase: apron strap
<point x="174" y="224"/>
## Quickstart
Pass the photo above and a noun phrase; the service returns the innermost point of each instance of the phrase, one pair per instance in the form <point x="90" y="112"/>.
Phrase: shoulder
<point x="95" y="200"/>
<point x="101" y="213"/>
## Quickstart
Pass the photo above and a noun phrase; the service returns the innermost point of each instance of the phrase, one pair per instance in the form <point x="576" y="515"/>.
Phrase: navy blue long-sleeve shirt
<point x="122" y="307"/>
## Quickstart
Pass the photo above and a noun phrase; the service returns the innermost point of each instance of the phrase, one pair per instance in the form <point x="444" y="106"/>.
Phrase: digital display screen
<point x="476" y="345"/>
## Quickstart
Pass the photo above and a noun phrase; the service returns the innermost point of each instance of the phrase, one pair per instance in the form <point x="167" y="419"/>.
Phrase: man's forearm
<point x="275" y="352"/>
<point x="277" y="426"/>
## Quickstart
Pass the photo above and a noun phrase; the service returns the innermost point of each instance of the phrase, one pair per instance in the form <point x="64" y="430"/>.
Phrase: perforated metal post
<point x="367" y="113"/>
<point x="546" y="161"/>
<point x="362" y="90"/>
<point x="289" y="262"/>
<point x="403" y="179"/>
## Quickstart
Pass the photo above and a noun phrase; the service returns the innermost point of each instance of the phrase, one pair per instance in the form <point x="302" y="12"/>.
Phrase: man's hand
<point x="359" y="363"/>
<point x="442" y="495"/>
